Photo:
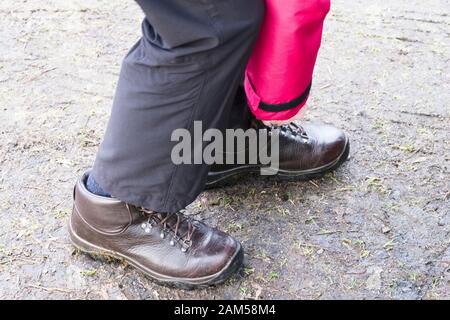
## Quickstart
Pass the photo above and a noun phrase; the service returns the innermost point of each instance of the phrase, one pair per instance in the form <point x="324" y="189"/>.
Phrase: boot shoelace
<point x="154" y="219"/>
<point x="293" y="129"/>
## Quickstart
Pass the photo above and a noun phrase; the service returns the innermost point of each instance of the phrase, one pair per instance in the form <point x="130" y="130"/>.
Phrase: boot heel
<point x="92" y="251"/>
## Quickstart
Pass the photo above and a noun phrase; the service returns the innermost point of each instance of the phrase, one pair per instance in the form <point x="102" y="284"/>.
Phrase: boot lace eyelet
<point x="186" y="244"/>
<point x="171" y="223"/>
<point x="147" y="226"/>
<point x="292" y="130"/>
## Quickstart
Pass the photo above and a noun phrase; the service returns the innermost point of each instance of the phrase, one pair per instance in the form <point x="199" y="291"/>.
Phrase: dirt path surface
<point x="377" y="228"/>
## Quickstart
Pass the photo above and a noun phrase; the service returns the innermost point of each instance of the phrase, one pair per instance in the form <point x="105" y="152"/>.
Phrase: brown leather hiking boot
<point x="170" y="248"/>
<point x="305" y="151"/>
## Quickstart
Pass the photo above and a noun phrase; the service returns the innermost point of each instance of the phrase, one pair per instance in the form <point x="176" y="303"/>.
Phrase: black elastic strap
<point x="287" y="105"/>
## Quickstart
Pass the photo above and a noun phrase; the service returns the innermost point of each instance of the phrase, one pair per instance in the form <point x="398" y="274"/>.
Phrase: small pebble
<point x="386" y="229"/>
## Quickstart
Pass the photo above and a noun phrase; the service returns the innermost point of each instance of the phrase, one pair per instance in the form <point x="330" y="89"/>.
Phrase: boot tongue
<point x="171" y="222"/>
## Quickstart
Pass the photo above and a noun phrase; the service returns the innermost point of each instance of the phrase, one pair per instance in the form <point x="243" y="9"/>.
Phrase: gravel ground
<point x="377" y="228"/>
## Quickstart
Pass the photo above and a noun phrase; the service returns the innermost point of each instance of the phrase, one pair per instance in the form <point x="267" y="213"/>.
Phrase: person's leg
<point x="187" y="67"/>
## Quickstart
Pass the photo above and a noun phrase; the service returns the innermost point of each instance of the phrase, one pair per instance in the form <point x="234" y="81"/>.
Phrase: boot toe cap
<point x="334" y="142"/>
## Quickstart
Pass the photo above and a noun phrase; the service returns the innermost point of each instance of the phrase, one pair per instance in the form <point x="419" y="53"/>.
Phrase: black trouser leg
<point x="186" y="67"/>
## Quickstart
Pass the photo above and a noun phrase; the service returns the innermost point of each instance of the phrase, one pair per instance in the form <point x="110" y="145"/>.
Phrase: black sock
<point x="95" y="188"/>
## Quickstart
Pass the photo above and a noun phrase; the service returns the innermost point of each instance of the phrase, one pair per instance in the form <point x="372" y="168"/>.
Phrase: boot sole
<point x="230" y="177"/>
<point x="97" y="252"/>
